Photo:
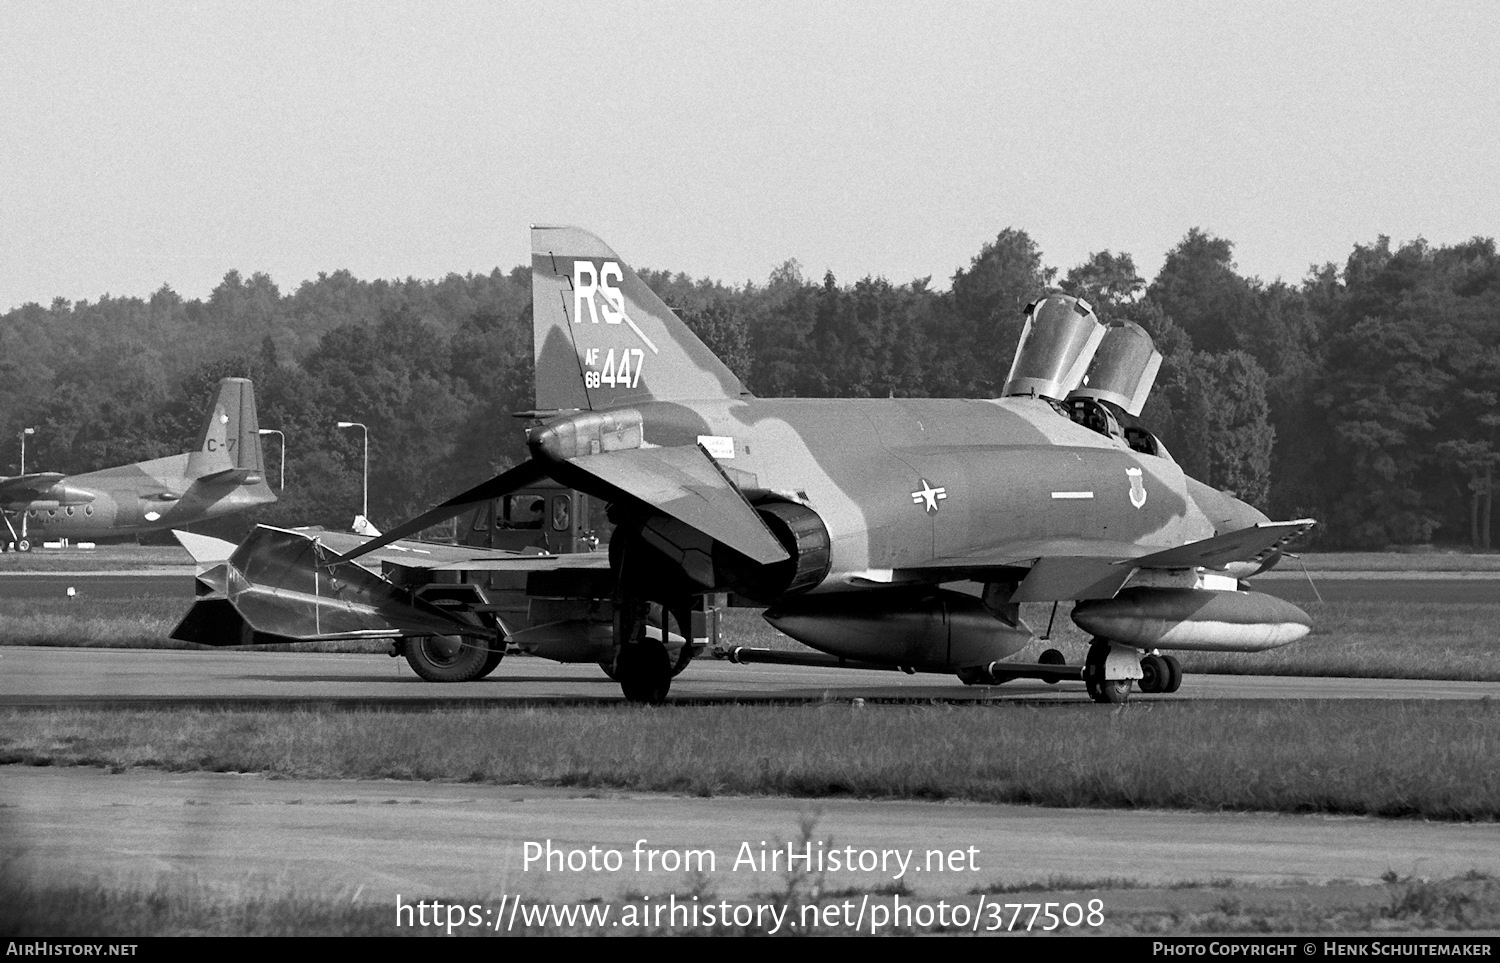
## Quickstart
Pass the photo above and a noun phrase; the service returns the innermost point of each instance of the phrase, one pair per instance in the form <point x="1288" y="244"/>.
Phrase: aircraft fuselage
<point x="906" y="483"/>
<point x="144" y="497"/>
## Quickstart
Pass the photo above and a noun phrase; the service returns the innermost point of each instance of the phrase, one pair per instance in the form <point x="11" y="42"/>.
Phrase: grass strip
<point x="1436" y="760"/>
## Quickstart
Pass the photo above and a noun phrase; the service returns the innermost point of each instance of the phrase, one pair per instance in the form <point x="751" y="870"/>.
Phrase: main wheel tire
<point x="1156" y="675"/>
<point x="24" y="545"/>
<point x="1093" y="669"/>
<point x="1112" y="691"/>
<point x="685" y="629"/>
<point x="1174" y="682"/>
<point x="447" y="658"/>
<point x="1052" y="657"/>
<point x="644" y="672"/>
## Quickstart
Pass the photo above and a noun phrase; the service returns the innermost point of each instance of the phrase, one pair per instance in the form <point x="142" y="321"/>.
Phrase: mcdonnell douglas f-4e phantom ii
<point x="854" y="522"/>
<point x="224" y="474"/>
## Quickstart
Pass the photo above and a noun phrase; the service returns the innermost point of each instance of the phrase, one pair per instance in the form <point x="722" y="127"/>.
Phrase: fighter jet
<point x="881" y="532"/>
<point x="223" y="474"/>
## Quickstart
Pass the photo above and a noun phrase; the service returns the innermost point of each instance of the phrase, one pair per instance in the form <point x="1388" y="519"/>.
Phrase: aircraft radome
<point x="224" y="474"/>
<point x="881" y="532"/>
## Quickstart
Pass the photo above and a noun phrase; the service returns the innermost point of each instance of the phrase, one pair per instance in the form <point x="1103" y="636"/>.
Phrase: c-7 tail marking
<point x="231" y="435"/>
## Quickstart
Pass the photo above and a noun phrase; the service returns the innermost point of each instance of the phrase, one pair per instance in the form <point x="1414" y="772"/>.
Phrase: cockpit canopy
<point x="1124" y="368"/>
<point x="1058" y="342"/>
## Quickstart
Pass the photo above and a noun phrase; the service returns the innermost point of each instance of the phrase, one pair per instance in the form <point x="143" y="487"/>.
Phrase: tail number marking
<point x="625" y="374"/>
<point x="603" y="281"/>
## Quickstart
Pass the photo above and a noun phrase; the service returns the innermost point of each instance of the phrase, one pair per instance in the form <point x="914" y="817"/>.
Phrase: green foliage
<point x="989" y="297"/>
<point x="1365" y="397"/>
<point x="1107" y="281"/>
<point x="1199" y="289"/>
<point x="1224" y="427"/>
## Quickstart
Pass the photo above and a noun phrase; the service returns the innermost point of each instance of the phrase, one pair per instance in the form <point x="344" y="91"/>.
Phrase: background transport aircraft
<point x="224" y="474"/>
<point x="881" y="532"/>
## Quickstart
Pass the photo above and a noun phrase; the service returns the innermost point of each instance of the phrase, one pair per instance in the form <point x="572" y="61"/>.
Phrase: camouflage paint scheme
<point x="224" y="474"/>
<point x="1019" y="481"/>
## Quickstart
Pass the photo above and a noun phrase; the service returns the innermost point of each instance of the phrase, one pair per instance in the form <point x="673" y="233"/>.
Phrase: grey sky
<point x="152" y="143"/>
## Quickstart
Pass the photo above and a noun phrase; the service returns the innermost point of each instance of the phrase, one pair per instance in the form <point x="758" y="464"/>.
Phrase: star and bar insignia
<point x="929" y="496"/>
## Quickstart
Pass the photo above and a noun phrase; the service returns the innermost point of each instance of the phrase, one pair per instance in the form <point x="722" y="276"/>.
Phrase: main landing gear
<point x="642" y="664"/>
<point x="18" y="541"/>
<point x="1108" y="677"/>
<point x="646" y="603"/>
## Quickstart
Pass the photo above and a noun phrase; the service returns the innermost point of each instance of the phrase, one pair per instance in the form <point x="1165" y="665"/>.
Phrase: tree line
<point x="1367" y="396"/>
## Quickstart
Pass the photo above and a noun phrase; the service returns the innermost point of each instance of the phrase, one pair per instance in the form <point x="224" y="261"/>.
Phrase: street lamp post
<point x="273" y="431"/>
<point x="24" y="433"/>
<point x="366" y="473"/>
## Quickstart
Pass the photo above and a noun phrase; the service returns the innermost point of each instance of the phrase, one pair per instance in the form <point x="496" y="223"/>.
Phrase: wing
<point x="26" y="488"/>
<point x="687" y="484"/>
<point x="1077" y="569"/>
<point x="1254" y="544"/>
<point x="503" y="484"/>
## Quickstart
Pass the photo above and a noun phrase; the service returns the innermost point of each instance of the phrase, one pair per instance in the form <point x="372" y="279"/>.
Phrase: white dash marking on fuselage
<point x="1072" y="495"/>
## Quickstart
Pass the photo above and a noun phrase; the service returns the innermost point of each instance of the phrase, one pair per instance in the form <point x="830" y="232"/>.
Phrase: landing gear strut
<point x="643" y="662"/>
<point x="19" y="542"/>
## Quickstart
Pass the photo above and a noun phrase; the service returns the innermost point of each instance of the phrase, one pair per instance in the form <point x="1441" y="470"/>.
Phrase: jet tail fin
<point x="603" y="339"/>
<point x="230" y="440"/>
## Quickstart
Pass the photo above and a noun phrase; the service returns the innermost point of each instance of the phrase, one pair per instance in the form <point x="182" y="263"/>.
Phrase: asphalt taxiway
<point x="39" y="676"/>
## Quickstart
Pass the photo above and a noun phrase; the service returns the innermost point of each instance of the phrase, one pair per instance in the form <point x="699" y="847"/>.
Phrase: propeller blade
<point x="502" y="484"/>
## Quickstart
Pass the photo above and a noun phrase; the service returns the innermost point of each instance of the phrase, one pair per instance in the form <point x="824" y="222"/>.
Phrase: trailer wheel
<point x="492" y="658"/>
<point x="449" y="658"/>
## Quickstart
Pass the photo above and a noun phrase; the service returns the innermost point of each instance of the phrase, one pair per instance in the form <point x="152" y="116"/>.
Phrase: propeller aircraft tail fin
<point x="230" y="440"/>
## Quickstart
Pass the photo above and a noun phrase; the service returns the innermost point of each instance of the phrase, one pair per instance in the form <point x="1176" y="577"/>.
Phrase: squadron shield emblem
<point x="1137" y="487"/>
